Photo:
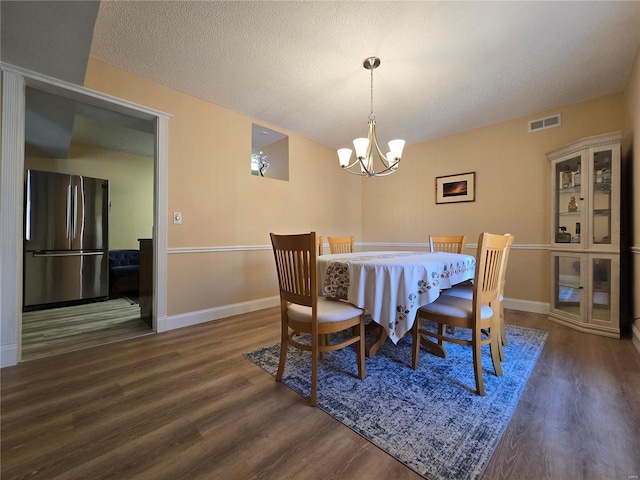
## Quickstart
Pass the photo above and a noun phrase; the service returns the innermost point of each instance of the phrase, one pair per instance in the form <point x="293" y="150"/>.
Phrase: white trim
<point x="233" y="248"/>
<point x="247" y="248"/>
<point x="11" y="211"/>
<point x="8" y="355"/>
<point x="468" y="245"/>
<point x="216" y="313"/>
<point x="635" y="332"/>
<point x="585" y="327"/>
<point x="588" y="142"/>
<point x="517" y="247"/>
<point x="161" y="208"/>
<point x="203" y="316"/>
<point x="15" y="80"/>
<point x="527" y="305"/>
<point x="53" y="85"/>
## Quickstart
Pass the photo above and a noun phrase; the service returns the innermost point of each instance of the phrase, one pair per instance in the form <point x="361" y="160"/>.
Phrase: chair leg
<point x="415" y="339"/>
<point x="495" y="347"/>
<point x="503" y="333"/>
<point x="314" y="369"/>
<point x="441" y="330"/>
<point x="477" y="361"/>
<point x="324" y="341"/>
<point x="361" y="348"/>
<point x="284" y="344"/>
<point x="500" y="330"/>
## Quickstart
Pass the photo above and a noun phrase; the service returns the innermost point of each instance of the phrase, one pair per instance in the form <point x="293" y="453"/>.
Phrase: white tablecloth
<point x="391" y="286"/>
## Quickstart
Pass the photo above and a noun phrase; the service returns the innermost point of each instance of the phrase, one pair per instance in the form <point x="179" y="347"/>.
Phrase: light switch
<point x="177" y="218"/>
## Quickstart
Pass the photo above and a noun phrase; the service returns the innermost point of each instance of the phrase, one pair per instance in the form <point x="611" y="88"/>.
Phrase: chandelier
<point x="364" y="146"/>
<point x="259" y="163"/>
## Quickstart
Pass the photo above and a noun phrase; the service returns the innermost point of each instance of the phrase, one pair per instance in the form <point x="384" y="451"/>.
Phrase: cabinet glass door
<point x="604" y="292"/>
<point x="601" y="195"/>
<point x="568" y="291"/>
<point x="568" y="200"/>
<point x="601" y="289"/>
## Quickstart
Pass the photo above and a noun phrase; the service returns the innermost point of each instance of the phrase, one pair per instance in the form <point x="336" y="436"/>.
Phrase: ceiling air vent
<point x="542" y="123"/>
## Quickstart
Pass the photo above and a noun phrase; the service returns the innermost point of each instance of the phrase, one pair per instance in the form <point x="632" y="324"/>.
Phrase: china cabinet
<point x="585" y="235"/>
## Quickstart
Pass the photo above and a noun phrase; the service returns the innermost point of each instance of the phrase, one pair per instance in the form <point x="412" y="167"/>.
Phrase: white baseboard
<point x="527" y="305"/>
<point x="202" y="316"/>
<point x="635" y="332"/>
<point x="8" y="355"/>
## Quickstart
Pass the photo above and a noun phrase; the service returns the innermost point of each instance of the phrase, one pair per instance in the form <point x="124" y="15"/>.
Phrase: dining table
<point x="391" y="285"/>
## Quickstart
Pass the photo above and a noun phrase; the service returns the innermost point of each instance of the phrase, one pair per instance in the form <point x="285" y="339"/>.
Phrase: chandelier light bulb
<point x="361" y="145"/>
<point x="396" y="147"/>
<point x="344" y="155"/>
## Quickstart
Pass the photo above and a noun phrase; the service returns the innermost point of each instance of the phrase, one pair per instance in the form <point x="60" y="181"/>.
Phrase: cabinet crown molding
<point x="587" y="142"/>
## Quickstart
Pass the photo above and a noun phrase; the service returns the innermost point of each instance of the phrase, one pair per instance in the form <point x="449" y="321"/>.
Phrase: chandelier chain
<point x="371" y="115"/>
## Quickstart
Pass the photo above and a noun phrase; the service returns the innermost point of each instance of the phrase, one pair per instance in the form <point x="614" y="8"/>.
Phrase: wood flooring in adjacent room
<point x="186" y="404"/>
<point x="60" y="330"/>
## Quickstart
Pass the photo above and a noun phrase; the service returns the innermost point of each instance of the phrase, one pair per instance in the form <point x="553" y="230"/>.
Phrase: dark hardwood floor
<point x="186" y="404"/>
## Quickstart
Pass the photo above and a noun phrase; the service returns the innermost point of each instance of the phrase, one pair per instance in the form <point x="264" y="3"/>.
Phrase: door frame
<point x="14" y="82"/>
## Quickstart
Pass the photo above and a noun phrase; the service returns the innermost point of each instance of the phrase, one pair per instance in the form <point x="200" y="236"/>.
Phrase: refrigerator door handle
<point x="68" y="210"/>
<point x="67" y="254"/>
<point x="75" y="209"/>
<point x="27" y="233"/>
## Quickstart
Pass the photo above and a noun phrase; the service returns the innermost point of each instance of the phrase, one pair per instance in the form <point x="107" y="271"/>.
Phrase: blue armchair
<point x="124" y="266"/>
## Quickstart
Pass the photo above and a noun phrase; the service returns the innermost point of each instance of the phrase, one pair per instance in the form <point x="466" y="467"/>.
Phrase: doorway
<point x="81" y="289"/>
<point x="15" y="81"/>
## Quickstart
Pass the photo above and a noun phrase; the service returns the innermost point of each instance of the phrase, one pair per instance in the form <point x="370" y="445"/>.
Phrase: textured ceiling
<point x="447" y="67"/>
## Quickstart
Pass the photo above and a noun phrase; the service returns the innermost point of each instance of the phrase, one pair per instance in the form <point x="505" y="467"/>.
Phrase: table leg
<point x="382" y="337"/>
<point x="434" y="348"/>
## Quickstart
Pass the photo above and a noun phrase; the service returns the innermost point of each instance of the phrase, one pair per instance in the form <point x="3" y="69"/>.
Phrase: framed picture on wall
<point x="456" y="188"/>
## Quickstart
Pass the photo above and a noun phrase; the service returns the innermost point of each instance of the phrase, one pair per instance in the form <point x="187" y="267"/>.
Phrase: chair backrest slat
<point x="449" y="243"/>
<point x="341" y="244"/>
<point x="503" y="272"/>
<point x="491" y="251"/>
<point x="296" y="257"/>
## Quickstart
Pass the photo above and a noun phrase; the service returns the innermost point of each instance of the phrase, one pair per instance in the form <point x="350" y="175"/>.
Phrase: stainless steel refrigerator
<point x="66" y="240"/>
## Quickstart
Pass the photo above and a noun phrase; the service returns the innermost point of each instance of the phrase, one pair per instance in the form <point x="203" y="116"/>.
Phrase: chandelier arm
<point x="367" y="173"/>
<point x="355" y="162"/>
<point x="365" y="170"/>
<point x="383" y="157"/>
<point x="383" y="173"/>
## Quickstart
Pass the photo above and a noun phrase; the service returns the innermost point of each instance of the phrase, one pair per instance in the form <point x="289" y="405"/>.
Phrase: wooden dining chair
<point x="466" y="291"/>
<point x="320" y="245"/>
<point x="341" y="244"/>
<point x="451" y="243"/>
<point x="475" y="314"/>
<point x="301" y="310"/>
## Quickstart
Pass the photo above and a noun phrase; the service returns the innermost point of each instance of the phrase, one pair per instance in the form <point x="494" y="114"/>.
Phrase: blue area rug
<point x="430" y="419"/>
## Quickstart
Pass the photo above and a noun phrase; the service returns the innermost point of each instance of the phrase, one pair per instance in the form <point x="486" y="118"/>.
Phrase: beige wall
<point x="278" y="158"/>
<point x="223" y="205"/>
<point x="631" y="148"/>
<point x="512" y="189"/>
<point x="130" y="183"/>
